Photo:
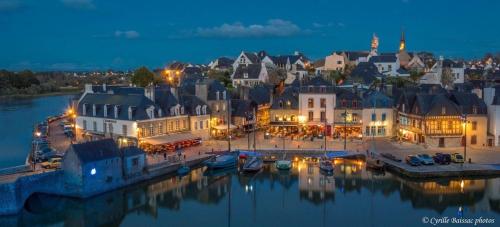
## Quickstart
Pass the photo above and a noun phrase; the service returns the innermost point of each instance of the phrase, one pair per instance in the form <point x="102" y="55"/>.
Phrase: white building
<point x="387" y="64"/>
<point x="317" y="103"/>
<point x="378" y="115"/>
<point x="492" y="100"/>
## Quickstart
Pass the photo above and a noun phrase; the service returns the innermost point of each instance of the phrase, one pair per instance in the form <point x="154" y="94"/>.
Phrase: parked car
<point x="52" y="163"/>
<point x="413" y="160"/>
<point x="391" y="157"/>
<point x="425" y="159"/>
<point x="443" y="159"/>
<point x="457" y="158"/>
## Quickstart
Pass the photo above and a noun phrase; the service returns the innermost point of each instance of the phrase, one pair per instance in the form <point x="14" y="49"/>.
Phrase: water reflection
<point x="270" y="197"/>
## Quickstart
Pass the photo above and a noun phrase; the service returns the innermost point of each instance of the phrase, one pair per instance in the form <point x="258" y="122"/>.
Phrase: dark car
<point x="413" y="160"/>
<point x="442" y="159"/>
<point x="391" y="157"/>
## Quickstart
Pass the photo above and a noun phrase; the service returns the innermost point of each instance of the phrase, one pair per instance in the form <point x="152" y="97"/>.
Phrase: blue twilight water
<point x="17" y="118"/>
<point x="301" y="197"/>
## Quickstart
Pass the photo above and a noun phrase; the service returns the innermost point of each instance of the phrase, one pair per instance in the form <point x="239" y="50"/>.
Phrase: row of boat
<point x="253" y="164"/>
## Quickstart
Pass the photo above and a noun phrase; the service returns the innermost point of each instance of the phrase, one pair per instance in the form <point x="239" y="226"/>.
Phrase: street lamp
<point x="464" y="119"/>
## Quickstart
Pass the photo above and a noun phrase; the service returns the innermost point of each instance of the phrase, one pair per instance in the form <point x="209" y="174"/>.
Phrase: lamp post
<point x="324" y="131"/>
<point x="345" y="129"/>
<point x="464" y="118"/>
<point x="228" y="109"/>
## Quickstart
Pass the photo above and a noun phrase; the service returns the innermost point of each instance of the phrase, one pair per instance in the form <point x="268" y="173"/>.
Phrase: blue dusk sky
<point x="125" y="34"/>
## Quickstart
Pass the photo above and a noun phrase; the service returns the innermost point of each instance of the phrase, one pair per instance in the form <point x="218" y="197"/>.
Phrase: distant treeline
<point x="31" y="83"/>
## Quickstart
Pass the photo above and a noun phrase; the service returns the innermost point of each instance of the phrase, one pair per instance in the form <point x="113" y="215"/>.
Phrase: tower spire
<point x="374" y="44"/>
<point x="402" y="42"/>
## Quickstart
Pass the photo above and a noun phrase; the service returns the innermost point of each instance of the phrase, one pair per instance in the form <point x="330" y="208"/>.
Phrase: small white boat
<point x="283" y="164"/>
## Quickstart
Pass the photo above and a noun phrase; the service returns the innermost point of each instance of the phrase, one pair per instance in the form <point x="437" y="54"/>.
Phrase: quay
<point x="438" y="171"/>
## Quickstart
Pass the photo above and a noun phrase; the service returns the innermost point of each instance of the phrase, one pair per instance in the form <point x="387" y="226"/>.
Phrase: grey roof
<point x="468" y="101"/>
<point x="241" y="108"/>
<point x="252" y="70"/>
<point x="452" y="64"/>
<point x="355" y="55"/>
<point x="376" y="99"/>
<point x="224" y="62"/>
<point x="96" y="150"/>
<point x="131" y="151"/>
<point x="190" y="102"/>
<point x="384" y="58"/>
<point x="317" y="84"/>
<point x="188" y="83"/>
<point x="349" y="97"/>
<point x="139" y="103"/>
<point x="433" y="104"/>
<point x="261" y="94"/>
<point x="192" y="70"/>
<point x="290" y="94"/>
<point x="252" y="57"/>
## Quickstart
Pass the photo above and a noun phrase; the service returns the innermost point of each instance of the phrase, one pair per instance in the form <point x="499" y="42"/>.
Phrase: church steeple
<point x="402" y="42"/>
<point x="374" y="45"/>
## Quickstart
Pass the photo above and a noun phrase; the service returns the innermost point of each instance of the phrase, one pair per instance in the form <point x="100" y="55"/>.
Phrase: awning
<point x="170" y="138"/>
<point x="224" y="127"/>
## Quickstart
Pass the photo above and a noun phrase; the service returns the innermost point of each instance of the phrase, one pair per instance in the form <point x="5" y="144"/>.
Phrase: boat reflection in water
<point x="352" y="196"/>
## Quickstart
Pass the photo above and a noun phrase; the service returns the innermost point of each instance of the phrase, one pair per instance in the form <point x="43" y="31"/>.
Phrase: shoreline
<point x="63" y="92"/>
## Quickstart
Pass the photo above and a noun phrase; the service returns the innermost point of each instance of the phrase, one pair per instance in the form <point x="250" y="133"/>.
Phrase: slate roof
<point x="241" y="108"/>
<point x="349" y="97"/>
<point x="317" y="84"/>
<point x="384" y="58"/>
<point x="447" y="63"/>
<point x="253" y="71"/>
<point x="252" y="57"/>
<point x="98" y="150"/>
<point x="355" y="55"/>
<point x="224" y="62"/>
<point x="139" y="103"/>
<point x="188" y="83"/>
<point x="192" y="70"/>
<point x="468" y="101"/>
<point x="260" y="94"/>
<point x="190" y="102"/>
<point x="430" y="105"/>
<point x="376" y="99"/>
<point x="131" y="151"/>
<point x="290" y="94"/>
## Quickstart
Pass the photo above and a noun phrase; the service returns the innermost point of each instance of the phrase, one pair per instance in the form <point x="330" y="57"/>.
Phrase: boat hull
<point x="222" y="164"/>
<point x="283" y="165"/>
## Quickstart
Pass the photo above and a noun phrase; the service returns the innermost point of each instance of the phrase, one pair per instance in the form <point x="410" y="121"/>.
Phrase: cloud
<point x="273" y="28"/>
<point x="79" y="4"/>
<point x="131" y="34"/>
<point x="329" y="24"/>
<point x="9" y="5"/>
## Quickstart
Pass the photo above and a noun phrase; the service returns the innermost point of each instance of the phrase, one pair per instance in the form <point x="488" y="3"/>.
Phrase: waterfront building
<point x="93" y="166"/>
<point x="128" y="115"/>
<point x="261" y="95"/>
<point x="336" y="61"/>
<point x="221" y="64"/>
<point x="442" y="119"/>
<point x="347" y="114"/>
<point x="316" y="105"/>
<point x="492" y="100"/>
<point x="246" y="58"/>
<point x="134" y="161"/>
<point x="434" y="75"/>
<point x="378" y="115"/>
<point x="284" y="112"/>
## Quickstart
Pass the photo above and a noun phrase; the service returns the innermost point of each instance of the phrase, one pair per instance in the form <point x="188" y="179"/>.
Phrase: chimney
<point x="201" y="90"/>
<point x="116" y="111"/>
<point x="149" y="92"/>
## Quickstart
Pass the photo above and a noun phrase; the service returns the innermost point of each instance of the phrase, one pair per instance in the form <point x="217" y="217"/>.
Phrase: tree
<point x="415" y="75"/>
<point x="223" y="76"/>
<point x="277" y="75"/>
<point x="447" y="78"/>
<point x="337" y="76"/>
<point x="142" y="77"/>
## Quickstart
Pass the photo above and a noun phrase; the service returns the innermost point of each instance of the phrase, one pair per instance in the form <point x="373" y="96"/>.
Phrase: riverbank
<point x="64" y="91"/>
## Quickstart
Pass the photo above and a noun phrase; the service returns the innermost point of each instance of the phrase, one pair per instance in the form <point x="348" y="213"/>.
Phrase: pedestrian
<point x="165" y="156"/>
<point x="199" y="152"/>
<point x="275" y="145"/>
<point x="184" y="156"/>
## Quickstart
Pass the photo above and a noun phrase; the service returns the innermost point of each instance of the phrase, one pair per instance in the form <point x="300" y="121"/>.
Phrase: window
<point x="323" y="102"/>
<point x="383" y="117"/>
<point x="135" y="162"/>
<point x="84" y="124"/>
<point x="367" y="131"/>
<point x="474" y="125"/>
<point x="311" y="116"/>
<point x="160" y="129"/>
<point x="201" y="124"/>
<point x="343" y="103"/>
<point x="474" y="109"/>
<point x="374" y="117"/>
<point x="151" y="130"/>
<point x="381" y="130"/>
<point x="177" y="125"/>
<point x="339" y="62"/>
<point x="195" y="125"/>
<point x="124" y="130"/>
<point x="110" y="128"/>
<point x="310" y="103"/>
<point x="450" y="125"/>
<point x="323" y="116"/>
<point x="373" y="130"/>
<point x="95" y="126"/>
<point x="473" y="139"/>
<point x="104" y="127"/>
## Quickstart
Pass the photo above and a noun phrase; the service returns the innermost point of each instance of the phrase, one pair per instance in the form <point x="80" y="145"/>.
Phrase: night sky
<point x="125" y="34"/>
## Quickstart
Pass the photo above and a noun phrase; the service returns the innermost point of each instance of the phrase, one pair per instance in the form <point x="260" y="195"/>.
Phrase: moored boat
<point x="223" y="161"/>
<point x="326" y="166"/>
<point x="183" y="170"/>
<point x="283" y="164"/>
<point x="253" y="164"/>
<point x="374" y="163"/>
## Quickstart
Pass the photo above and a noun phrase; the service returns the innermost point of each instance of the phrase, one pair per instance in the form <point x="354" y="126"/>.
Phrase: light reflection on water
<point x="353" y="196"/>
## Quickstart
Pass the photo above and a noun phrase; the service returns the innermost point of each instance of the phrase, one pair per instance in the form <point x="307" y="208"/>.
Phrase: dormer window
<point x="224" y="95"/>
<point x="217" y="94"/>
<point x="160" y="113"/>
<point x="105" y="110"/>
<point x="310" y="88"/>
<point x="116" y="111"/>
<point x="245" y="75"/>
<point x="198" y="110"/>
<point x="474" y="109"/>
<point x="443" y="110"/>
<point x="182" y="110"/>
<point x="84" y="109"/>
<point x="94" y="110"/>
<point x="204" y="109"/>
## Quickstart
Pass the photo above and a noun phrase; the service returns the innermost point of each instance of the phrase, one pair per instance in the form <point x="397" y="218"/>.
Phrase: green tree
<point x="337" y="76"/>
<point x="142" y="77"/>
<point x="415" y="75"/>
<point x="223" y="76"/>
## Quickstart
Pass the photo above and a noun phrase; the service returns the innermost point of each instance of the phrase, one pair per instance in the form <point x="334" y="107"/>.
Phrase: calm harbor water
<point x="301" y="197"/>
<point x="17" y="118"/>
<point x="354" y="196"/>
